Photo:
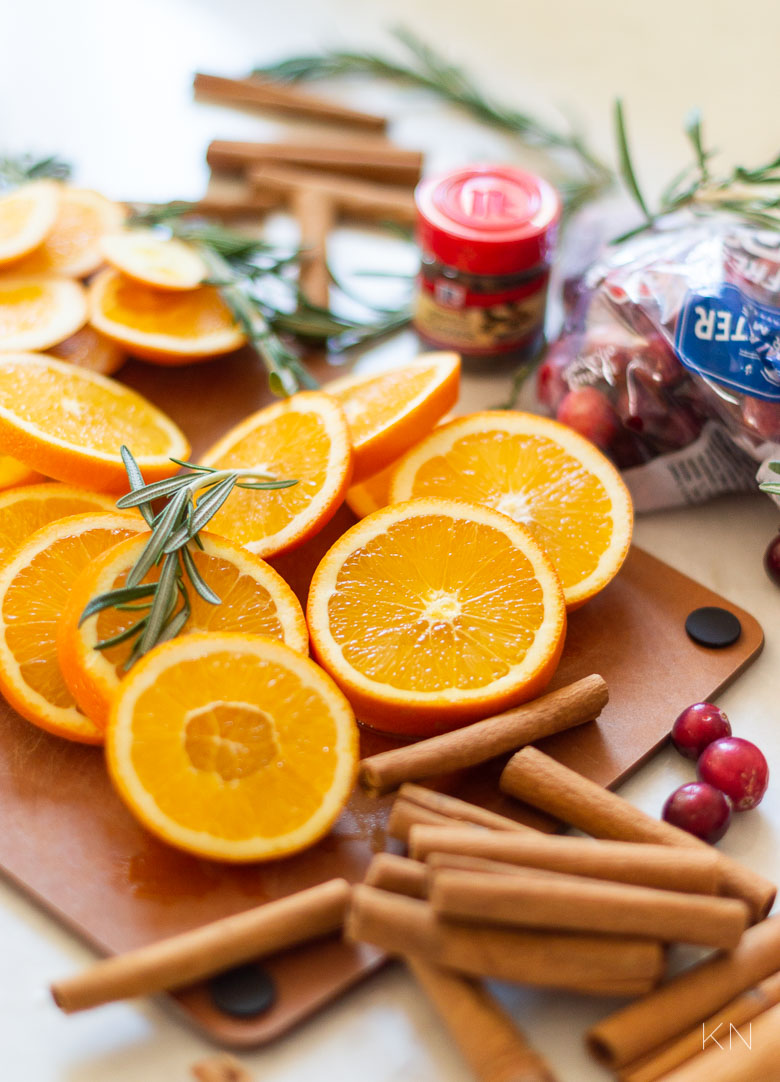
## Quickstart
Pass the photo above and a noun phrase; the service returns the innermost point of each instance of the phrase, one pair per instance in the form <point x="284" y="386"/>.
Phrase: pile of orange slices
<point x="445" y="603"/>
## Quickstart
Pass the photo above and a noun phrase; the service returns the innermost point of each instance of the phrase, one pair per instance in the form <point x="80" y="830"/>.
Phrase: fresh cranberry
<point x="700" y="809"/>
<point x="697" y="726"/>
<point x="772" y="559"/>
<point x="737" y="768"/>
<point x="763" y="417"/>
<point x="657" y="359"/>
<point x="589" y="412"/>
<point x="551" y="385"/>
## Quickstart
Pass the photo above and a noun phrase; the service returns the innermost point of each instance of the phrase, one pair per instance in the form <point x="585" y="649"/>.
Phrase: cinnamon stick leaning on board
<point x="185" y="958"/>
<point x="315" y="215"/>
<point x="552" y="713"/>
<point x="276" y="97"/>
<point x="688" y="999"/>
<point x="596" y="965"/>
<point x="535" y="778"/>
<point x="696" y="871"/>
<point x="368" y="158"/>
<point x="559" y="902"/>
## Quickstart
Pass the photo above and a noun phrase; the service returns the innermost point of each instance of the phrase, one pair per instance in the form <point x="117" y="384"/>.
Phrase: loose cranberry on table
<point x="700" y="809"/>
<point x="737" y="768"/>
<point x="772" y="559"/>
<point x="590" y="413"/>
<point x="697" y="726"/>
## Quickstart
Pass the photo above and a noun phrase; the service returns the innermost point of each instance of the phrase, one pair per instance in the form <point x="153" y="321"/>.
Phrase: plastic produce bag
<point x="669" y="359"/>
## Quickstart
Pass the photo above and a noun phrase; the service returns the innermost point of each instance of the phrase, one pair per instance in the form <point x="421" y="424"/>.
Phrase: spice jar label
<point x="504" y="326"/>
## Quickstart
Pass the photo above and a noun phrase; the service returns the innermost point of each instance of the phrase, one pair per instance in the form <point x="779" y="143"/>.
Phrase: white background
<point x="107" y="85"/>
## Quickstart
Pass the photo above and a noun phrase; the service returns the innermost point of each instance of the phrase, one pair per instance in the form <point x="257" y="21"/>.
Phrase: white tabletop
<point x="108" y="86"/>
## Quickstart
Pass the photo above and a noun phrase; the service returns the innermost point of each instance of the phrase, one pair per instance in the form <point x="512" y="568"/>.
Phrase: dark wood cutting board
<point x="69" y="843"/>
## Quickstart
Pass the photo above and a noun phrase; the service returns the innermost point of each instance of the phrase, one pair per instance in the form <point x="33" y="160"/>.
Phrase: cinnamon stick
<point x="315" y="216"/>
<point x="551" y="713"/>
<point x="224" y="1068"/>
<point x="363" y="200"/>
<point x="688" y="999"/>
<point x="544" y="783"/>
<point x="597" y="965"/>
<point x="275" y="97"/>
<point x="488" y="1040"/>
<point x="370" y="159"/>
<point x="751" y="1057"/>
<point x="738" y="1013"/>
<point x="416" y="805"/>
<point x="573" y="903"/>
<point x="182" y="959"/>
<point x="397" y="874"/>
<point x="649" y="865"/>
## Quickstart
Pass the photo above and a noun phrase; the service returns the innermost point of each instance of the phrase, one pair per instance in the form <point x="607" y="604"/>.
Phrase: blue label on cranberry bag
<point x="725" y="336"/>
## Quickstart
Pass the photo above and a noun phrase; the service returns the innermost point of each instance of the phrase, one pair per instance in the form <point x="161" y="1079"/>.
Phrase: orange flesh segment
<point x="190" y="754"/>
<point x="535" y="482"/>
<point x="24" y="512"/>
<point x="61" y="403"/>
<point x="444" y="622"/>
<point x="376" y="403"/>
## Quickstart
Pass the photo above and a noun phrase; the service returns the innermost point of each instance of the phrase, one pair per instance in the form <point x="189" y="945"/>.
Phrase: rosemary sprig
<point x="753" y="194"/>
<point x="256" y="282"/>
<point x="191" y="500"/>
<point x="16" y="170"/>
<point x="428" y="70"/>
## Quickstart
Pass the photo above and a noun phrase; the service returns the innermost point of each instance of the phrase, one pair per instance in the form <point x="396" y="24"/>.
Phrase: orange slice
<point x="304" y="438"/>
<point x="72" y="246"/>
<point x="372" y="494"/>
<point x="254" y="600"/>
<point x="541" y="474"/>
<point x="390" y="411"/>
<point x="37" y="311"/>
<point x="433" y="613"/>
<point x="34" y="586"/>
<point x="166" y="327"/>
<point x="69" y="424"/>
<point x="14" y="473"/>
<point x="27" y="214"/>
<point x="90" y="349"/>
<point x="152" y="260"/>
<point x="25" y="510"/>
<point x="233" y="747"/>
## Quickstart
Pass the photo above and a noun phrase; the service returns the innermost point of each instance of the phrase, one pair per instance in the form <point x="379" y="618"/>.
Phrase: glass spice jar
<point x="487" y="236"/>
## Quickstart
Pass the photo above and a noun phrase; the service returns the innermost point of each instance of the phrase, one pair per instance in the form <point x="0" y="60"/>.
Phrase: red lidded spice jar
<point x="487" y="235"/>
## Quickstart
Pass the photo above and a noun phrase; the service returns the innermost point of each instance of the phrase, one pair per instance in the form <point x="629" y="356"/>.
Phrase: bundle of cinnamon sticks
<point x="483" y="896"/>
<point x="350" y="169"/>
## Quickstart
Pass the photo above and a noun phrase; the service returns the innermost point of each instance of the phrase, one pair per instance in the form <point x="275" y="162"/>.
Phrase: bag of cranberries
<point x="669" y="359"/>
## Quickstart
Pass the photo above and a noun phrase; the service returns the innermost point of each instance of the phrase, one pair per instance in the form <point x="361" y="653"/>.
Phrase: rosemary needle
<point x="191" y="500"/>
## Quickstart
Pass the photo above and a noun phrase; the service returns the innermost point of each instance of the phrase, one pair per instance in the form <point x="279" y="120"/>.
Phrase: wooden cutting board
<point x="69" y="843"/>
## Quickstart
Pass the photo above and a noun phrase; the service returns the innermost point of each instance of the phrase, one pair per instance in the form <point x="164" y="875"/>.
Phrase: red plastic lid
<point x="488" y="219"/>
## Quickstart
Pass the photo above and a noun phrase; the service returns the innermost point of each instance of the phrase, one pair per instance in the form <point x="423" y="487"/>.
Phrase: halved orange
<point x="34" y="586"/>
<point x="541" y="474"/>
<point x="26" y="509"/>
<point x="432" y="613"/>
<point x="72" y="245"/>
<point x="69" y="423"/>
<point x="154" y="260"/>
<point x="163" y="326"/>
<point x="14" y="473"/>
<point x="39" y="310"/>
<point x="388" y="412"/>
<point x="88" y="348"/>
<point x="27" y="214"/>
<point x="303" y="438"/>
<point x="254" y="599"/>
<point x="233" y="747"/>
